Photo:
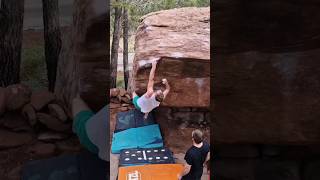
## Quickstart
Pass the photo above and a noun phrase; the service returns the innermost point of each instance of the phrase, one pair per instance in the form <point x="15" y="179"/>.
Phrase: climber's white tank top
<point x="147" y="104"/>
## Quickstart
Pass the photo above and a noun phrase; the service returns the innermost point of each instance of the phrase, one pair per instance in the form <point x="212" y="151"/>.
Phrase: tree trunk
<point x="115" y="47"/>
<point x="84" y="60"/>
<point x="125" y="46"/>
<point x="10" y="41"/>
<point x="52" y="37"/>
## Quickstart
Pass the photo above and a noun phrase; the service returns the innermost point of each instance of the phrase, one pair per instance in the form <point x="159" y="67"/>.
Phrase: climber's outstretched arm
<point x="165" y="92"/>
<point x="151" y="79"/>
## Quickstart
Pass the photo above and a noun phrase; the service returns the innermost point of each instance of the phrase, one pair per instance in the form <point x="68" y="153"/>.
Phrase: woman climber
<point x="152" y="98"/>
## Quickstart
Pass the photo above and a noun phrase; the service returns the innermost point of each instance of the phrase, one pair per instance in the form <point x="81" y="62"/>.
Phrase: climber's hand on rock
<point x="164" y="81"/>
<point x="154" y="63"/>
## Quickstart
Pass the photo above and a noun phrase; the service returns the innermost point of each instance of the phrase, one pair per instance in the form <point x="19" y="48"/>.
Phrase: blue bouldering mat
<point x="139" y="156"/>
<point x="82" y="166"/>
<point x="141" y="137"/>
<point x="132" y="119"/>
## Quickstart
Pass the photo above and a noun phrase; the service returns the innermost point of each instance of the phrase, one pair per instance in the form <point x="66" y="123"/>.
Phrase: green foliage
<point x="33" y="67"/>
<point x="120" y="80"/>
<point x="169" y="4"/>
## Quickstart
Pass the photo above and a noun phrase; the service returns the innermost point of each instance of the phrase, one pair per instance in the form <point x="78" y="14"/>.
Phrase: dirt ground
<point x="177" y="139"/>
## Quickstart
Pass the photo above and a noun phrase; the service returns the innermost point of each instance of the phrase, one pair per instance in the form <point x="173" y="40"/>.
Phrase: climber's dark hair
<point x="160" y="97"/>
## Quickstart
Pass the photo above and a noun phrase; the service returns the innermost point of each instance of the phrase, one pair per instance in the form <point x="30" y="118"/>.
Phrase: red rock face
<point x="267" y="98"/>
<point x="180" y="38"/>
<point x="266" y="83"/>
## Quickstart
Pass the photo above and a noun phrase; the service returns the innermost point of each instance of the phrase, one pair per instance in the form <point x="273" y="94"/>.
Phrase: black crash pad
<point x="132" y="119"/>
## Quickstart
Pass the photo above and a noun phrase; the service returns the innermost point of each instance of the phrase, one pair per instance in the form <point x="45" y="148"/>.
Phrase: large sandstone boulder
<point x="266" y="84"/>
<point x="180" y="38"/>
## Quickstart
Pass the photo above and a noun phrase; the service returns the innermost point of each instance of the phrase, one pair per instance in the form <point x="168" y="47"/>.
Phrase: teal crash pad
<point x="141" y="137"/>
